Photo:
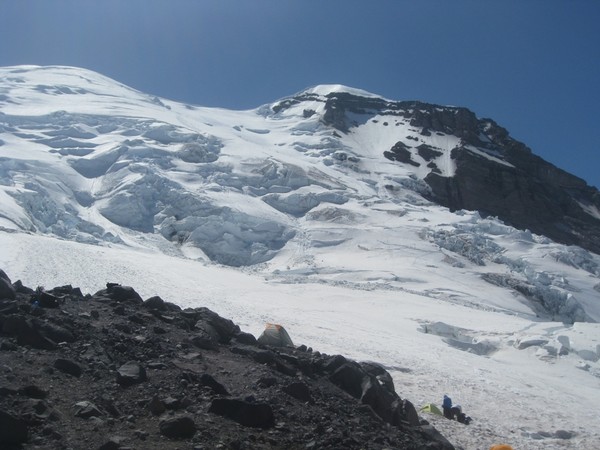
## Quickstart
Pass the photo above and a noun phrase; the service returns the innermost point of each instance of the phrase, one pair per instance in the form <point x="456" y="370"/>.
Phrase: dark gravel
<point x="111" y="371"/>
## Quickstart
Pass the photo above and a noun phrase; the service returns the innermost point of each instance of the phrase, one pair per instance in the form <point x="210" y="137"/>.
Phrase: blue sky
<point x="533" y="66"/>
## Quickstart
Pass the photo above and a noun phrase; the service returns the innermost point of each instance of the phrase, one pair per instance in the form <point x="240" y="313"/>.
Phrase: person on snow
<point x="447" y="407"/>
<point x="456" y="411"/>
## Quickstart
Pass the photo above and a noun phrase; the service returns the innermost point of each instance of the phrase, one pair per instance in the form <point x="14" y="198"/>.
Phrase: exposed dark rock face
<point x="399" y="152"/>
<point x="501" y="178"/>
<point x="113" y="371"/>
<point x="530" y="193"/>
<point x="428" y="153"/>
<point x="431" y="118"/>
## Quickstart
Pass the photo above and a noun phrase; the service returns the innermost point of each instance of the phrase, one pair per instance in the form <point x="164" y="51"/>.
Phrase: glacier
<point x="277" y="215"/>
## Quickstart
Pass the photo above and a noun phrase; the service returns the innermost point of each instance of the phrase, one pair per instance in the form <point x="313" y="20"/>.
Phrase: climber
<point x="447" y="407"/>
<point x="456" y="412"/>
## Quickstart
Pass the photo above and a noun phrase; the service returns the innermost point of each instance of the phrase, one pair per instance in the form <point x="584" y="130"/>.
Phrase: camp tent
<point x="276" y="336"/>
<point x="431" y="408"/>
<point x="501" y="447"/>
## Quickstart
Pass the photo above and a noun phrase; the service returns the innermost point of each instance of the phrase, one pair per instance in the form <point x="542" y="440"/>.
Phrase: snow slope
<point x="273" y="216"/>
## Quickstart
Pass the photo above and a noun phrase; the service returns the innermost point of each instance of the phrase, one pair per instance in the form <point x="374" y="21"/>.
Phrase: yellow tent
<point x="431" y="408"/>
<point x="501" y="447"/>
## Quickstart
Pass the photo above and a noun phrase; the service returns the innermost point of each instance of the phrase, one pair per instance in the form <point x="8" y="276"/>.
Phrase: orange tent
<point x="276" y="336"/>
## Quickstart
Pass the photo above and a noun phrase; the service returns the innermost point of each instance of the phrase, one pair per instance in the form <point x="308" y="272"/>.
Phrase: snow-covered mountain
<point x="333" y="208"/>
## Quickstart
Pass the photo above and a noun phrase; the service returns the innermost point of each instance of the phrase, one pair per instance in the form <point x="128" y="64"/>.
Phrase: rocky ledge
<point x="114" y="371"/>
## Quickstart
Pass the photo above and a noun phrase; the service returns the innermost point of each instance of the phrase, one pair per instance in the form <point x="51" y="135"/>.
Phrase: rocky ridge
<point x="495" y="174"/>
<point x="114" y="371"/>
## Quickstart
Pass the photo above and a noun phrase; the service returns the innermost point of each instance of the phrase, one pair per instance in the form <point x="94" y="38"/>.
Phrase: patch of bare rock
<point x="113" y="371"/>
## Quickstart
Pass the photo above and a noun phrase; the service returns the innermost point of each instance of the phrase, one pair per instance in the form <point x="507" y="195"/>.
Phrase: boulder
<point x="179" y="427"/>
<point x="116" y="292"/>
<point x="157" y="406"/>
<point x="7" y="290"/>
<point x="299" y="391"/>
<point x="67" y="366"/>
<point x="4" y="276"/>
<point x="172" y="403"/>
<point x="257" y="415"/>
<point x="67" y="289"/>
<point x="245" y="338"/>
<point x="333" y="363"/>
<point x="410" y="413"/>
<point x="27" y="332"/>
<point x="21" y="289"/>
<point x="156" y="303"/>
<point x="208" y="381"/>
<point x="13" y="430"/>
<point x="87" y="409"/>
<point x="131" y="373"/>
<point x="349" y="377"/>
<point x="224" y="328"/>
<point x="47" y="300"/>
<point x="378" y="398"/>
<point x="382" y="375"/>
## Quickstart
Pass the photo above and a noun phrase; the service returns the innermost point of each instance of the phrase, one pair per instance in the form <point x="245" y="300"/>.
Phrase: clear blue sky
<point x="531" y="65"/>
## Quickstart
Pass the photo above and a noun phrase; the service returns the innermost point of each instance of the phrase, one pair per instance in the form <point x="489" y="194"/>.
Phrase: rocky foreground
<point x="114" y="371"/>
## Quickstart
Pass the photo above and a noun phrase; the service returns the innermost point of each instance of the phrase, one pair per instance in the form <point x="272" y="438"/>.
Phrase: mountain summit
<point x="292" y="183"/>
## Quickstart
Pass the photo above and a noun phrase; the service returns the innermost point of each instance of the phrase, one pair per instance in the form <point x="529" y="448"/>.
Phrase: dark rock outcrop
<point x="501" y="178"/>
<point x="528" y="193"/>
<point x="7" y="290"/>
<point x="170" y="392"/>
<point x="399" y="152"/>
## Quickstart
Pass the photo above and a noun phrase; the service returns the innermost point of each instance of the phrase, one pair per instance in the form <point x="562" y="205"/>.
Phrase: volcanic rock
<point x="131" y="373"/>
<point x="6" y="288"/>
<point x="237" y="392"/>
<point x="181" y="427"/>
<point x="13" y="430"/>
<point x="68" y="366"/>
<point x="258" y="415"/>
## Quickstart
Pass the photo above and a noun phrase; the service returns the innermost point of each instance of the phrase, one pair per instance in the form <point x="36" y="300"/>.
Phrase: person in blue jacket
<point x="447" y="407"/>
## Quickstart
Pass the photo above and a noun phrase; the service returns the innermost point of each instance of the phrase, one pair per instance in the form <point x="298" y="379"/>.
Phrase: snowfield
<point x="268" y="216"/>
